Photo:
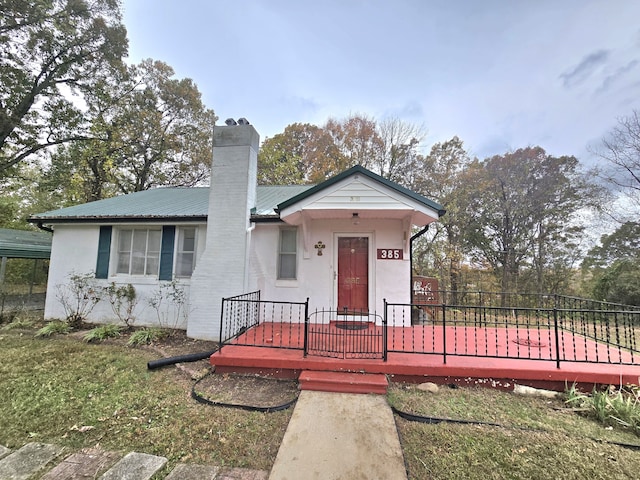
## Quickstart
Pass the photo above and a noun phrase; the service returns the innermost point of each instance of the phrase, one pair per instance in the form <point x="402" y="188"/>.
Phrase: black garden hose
<point x="191" y="357"/>
<point x="435" y="420"/>
<point x="252" y="408"/>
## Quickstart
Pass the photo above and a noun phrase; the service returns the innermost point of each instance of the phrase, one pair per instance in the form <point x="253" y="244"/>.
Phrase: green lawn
<point x="540" y="438"/>
<point x="62" y="390"/>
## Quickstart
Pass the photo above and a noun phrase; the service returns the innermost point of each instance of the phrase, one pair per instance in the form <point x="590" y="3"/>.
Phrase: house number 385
<point x="390" y="254"/>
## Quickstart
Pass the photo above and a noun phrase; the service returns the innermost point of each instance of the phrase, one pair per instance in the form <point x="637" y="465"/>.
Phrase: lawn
<point x="538" y="438"/>
<point x="65" y="391"/>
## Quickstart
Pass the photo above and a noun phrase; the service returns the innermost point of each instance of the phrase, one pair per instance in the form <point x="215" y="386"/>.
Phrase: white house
<point x="344" y="243"/>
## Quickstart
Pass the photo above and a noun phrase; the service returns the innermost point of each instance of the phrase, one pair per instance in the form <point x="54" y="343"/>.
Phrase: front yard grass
<point x="540" y="439"/>
<point x="64" y="391"/>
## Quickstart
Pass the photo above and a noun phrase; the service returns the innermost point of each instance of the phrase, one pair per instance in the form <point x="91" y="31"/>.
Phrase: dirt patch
<point x="247" y="390"/>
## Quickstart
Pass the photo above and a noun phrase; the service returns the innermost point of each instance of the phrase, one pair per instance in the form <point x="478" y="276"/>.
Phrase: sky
<point x="501" y="75"/>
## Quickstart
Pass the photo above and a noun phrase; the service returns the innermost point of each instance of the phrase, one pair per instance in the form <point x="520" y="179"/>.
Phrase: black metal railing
<point x="247" y="320"/>
<point x="484" y="324"/>
<point x="341" y="334"/>
<point x="545" y="332"/>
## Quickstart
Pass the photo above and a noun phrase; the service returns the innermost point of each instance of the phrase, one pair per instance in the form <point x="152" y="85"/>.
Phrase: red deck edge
<point x="494" y="372"/>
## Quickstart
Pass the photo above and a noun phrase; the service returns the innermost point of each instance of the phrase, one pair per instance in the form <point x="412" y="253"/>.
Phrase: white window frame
<point x="130" y="252"/>
<point x="180" y="251"/>
<point x="281" y="253"/>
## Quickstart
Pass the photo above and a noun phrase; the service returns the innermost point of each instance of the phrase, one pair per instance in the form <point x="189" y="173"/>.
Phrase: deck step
<point x="343" y="382"/>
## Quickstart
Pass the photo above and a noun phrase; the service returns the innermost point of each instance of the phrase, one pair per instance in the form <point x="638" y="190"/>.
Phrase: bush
<point x="57" y="327"/>
<point x="79" y="297"/>
<point x="613" y="407"/>
<point x="103" y="332"/>
<point x="145" y="336"/>
<point x="123" y="300"/>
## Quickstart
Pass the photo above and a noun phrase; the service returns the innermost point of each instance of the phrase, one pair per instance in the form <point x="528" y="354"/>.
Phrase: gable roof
<point x="169" y="203"/>
<point x="192" y="204"/>
<point x="24" y="244"/>
<point x="369" y="174"/>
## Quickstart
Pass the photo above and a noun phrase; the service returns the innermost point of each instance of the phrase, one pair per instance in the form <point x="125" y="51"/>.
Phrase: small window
<point x="186" y="253"/>
<point x="139" y="251"/>
<point x="287" y="254"/>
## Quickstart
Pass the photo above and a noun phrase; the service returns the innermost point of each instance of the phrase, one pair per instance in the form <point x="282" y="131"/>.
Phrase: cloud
<point x="620" y="72"/>
<point x="584" y="69"/>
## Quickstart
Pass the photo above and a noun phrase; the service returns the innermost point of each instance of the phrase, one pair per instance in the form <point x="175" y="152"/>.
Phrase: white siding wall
<point x="387" y="278"/>
<point x="74" y="251"/>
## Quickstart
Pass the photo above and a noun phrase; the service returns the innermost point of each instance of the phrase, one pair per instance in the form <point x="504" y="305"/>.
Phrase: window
<point x="139" y="251"/>
<point x="186" y="252"/>
<point x="287" y="254"/>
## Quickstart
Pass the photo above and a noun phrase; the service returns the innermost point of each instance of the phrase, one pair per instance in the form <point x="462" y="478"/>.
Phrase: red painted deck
<point x="469" y="360"/>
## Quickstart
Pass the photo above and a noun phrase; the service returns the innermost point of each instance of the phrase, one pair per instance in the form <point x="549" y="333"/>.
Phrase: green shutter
<point x="166" y="252"/>
<point x="104" y="248"/>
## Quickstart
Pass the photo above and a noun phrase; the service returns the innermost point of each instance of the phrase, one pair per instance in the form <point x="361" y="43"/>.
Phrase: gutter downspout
<point x="414" y="237"/>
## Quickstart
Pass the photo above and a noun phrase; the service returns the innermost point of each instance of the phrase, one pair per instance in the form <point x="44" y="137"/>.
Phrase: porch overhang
<point x="298" y="216"/>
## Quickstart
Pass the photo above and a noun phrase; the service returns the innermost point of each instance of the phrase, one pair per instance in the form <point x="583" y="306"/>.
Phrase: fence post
<point x="444" y="334"/>
<point x="385" y="348"/>
<point x="555" y="328"/>
<point x="220" y="339"/>
<point x="306" y="327"/>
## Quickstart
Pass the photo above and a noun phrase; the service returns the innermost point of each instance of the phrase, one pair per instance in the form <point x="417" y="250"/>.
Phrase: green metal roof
<point x="24" y="244"/>
<point x="157" y="203"/>
<point x="162" y="203"/>
<point x="268" y="196"/>
<point x="367" y="173"/>
<point x="192" y="204"/>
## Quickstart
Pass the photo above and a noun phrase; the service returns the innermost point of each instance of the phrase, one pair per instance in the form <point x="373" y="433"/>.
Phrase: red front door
<point x="353" y="275"/>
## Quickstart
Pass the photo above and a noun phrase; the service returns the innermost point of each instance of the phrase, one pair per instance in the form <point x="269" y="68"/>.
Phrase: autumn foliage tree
<point x="306" y="153"/>
<point x="49" y="52"/>
<point x="522" y="214"/>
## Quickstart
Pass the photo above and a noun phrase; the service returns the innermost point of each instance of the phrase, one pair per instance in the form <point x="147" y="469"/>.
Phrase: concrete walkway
<point x="340" y="436"/>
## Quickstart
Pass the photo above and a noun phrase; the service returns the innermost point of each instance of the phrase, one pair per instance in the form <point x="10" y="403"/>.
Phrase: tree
<point x="49" y="52"/>
<point x="621" y="152"/>
<point x="620" y="283"/>
<point x="284" y="158"/>
<point x="522" y="213"/>
<point x="147" y="129"/>
<point x="398" y="157"/>
<point x="440" y="178"/>
<point x="622" y="244"/>
<point x="306" y="153"/>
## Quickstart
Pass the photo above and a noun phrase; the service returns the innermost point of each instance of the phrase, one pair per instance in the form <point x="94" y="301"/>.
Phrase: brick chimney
<point x="222" y="269"/>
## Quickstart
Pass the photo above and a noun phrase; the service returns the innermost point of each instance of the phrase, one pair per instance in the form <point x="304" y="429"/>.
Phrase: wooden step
<point x="343" y="382"/>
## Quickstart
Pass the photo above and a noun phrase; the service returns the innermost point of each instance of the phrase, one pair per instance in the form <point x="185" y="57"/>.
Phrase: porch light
<point x="355" y="218"/>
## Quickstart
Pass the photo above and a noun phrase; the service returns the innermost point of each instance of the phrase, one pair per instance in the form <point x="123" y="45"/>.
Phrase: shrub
<point x="123" y="300"/>
<point x="54" y="327"/>
<point x="78" y="297"/>
<point x="145" y="336"/>
<point x="613" y="407"/>
<point x="170" y="304"/>
<point x="103" y="332"/>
